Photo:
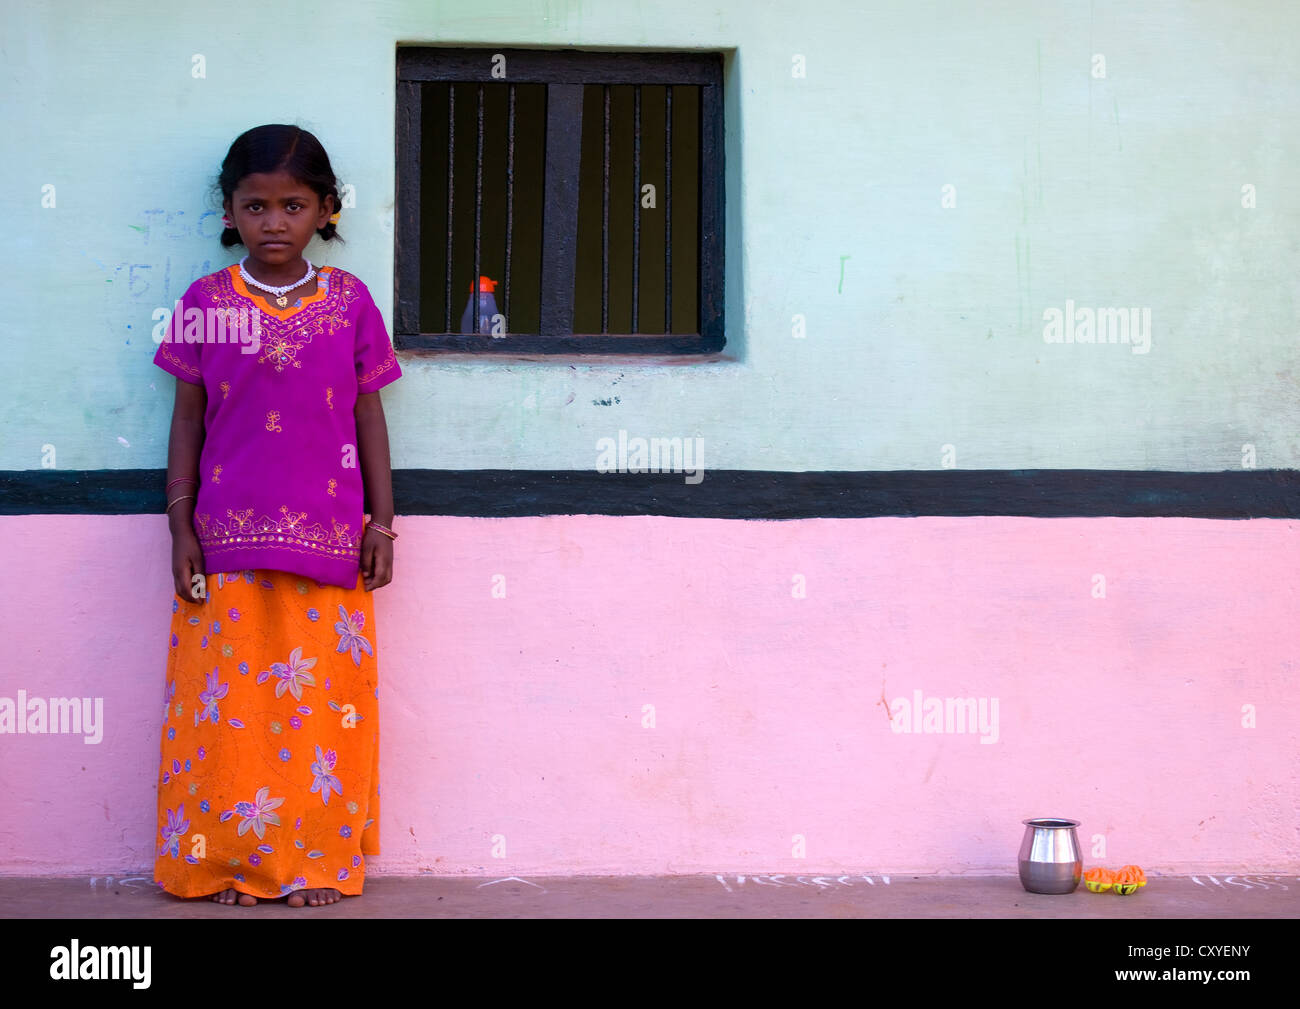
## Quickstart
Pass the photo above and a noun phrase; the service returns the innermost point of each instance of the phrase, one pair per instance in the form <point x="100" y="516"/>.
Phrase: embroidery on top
<point x="383" y="366"/>
<point x="284" y="339"/>
<point x="167" y="354"/>
<point x="290" y="530"/>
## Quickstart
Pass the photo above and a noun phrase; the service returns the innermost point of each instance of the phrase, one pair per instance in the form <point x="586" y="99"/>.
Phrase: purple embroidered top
<point x="280" y="479"/>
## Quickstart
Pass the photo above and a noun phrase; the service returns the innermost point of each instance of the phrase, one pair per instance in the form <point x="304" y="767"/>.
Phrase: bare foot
<point x="230" y="896"/>
<point x="313" y="897"/>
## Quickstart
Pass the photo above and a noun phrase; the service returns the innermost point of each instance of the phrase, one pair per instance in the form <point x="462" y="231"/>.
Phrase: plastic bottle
<point x="487" y="307"/>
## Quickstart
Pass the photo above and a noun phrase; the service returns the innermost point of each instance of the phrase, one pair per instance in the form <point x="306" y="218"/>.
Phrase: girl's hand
<point x="187" y="561"/>
<point x="376" y="559"/>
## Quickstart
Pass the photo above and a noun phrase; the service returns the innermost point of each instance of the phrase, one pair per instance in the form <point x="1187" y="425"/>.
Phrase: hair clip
<point x="334" y="219"/>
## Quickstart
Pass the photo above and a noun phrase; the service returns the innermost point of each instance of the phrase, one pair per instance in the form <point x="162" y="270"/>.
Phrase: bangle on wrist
<point x="382" y="529"/>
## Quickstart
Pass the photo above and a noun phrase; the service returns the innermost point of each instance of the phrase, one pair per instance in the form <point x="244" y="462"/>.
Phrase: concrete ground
<point x="722" y="896"/>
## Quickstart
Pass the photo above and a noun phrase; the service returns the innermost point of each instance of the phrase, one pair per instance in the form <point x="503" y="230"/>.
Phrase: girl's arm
<point x="186" y="442"/>
<point x="377" y="477"/>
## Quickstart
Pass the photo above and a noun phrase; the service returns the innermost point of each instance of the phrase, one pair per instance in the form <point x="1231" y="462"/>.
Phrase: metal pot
<point x="1049" y="855"/>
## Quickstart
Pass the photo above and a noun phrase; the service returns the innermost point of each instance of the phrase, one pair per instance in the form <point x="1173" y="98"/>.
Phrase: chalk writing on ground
<point x="131" y="882"/>
<point x="818" y="881"/>
<point x="514" y="879"/>
<point x="1251" y="882"/>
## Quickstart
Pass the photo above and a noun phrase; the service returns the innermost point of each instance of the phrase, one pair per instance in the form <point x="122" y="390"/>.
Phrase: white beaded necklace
<point x="279" y="292"/>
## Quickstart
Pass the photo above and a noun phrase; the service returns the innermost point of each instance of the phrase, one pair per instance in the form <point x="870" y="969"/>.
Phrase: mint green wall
<point x="1122" y="191"/>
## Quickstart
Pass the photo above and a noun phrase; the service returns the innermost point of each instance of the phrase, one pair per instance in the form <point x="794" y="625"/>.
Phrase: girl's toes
<point x="247" y="899"/>
<point x="315" y="897"/>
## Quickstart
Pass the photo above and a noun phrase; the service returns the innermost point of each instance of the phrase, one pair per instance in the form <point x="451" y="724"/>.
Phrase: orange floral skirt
<point x="269" y="780"/>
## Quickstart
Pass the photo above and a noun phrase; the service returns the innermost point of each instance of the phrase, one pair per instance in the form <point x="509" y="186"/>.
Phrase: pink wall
<point x="522" y="716"/>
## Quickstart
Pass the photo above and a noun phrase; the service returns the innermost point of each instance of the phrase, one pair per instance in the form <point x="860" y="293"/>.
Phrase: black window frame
<point x="565" y="72"/>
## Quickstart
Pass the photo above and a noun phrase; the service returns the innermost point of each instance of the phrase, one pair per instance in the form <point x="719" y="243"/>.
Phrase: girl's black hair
<point x="272" y="148"/>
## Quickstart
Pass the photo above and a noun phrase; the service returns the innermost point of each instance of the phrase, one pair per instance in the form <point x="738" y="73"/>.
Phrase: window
<point x="585" y="188"/>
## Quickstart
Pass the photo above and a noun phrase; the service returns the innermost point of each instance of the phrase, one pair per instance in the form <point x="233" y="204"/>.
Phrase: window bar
<point x="478" y="214"/>
<point x="636" y="197"/>
<point x="604" y="229"/>
<point x="668" y="208"/>
<point x="408" y="233"/>
<point x="451" y="186"/>
<point x="561" y="183"/>
<point x="510" y="197"/>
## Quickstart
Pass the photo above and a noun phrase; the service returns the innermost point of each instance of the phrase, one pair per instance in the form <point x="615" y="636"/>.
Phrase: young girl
<point x="268" y="785"/>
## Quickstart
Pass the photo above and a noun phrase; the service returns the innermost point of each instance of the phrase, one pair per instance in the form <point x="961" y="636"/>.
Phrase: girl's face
<point x="276" y="216"/>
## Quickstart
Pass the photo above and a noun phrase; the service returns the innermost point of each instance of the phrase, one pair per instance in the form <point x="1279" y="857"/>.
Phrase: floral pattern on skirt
<point x="269" y="778"/>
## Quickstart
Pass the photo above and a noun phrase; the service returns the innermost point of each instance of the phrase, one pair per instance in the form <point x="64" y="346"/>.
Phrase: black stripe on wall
<point x="734" y="494"/>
